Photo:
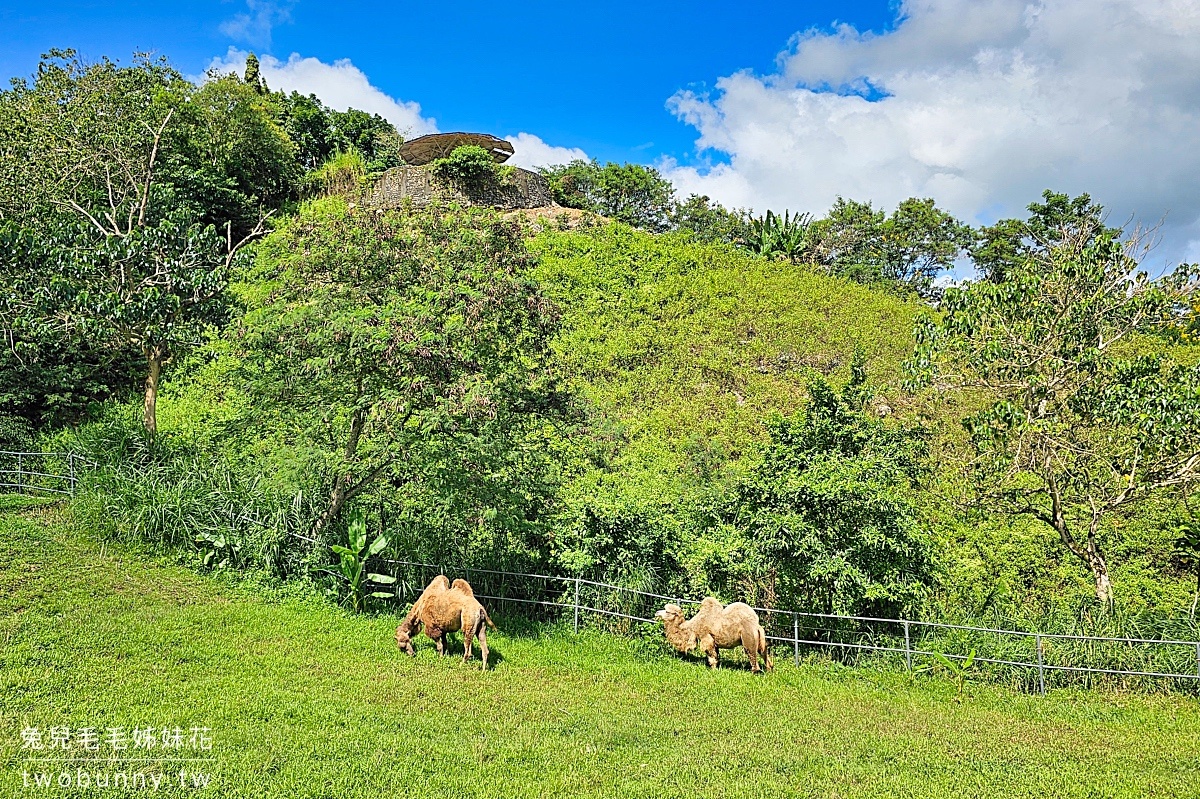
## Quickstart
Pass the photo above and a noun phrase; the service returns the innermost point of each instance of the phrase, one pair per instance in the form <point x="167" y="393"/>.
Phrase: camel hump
<point x="710" y="603"/>
<point x="441" y="581"/>
<point x="462" y="585"/>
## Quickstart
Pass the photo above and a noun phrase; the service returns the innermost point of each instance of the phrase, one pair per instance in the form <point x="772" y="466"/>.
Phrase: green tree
<point x="109" y="228"/>
<point x="1061" y="220"/>
<point x="847" y="241"/>
<point x="708" y="221"/>
<point x="919" y="240"/>
<point x="252" y="77"/>
<point x="384" y="333"/>
<point x="155" y="288"/>
<point x="828" y="516"/>
<point x="629" y="193"/>
<point x="237" y="161"/>
<point x="907" y="248"/>
<point x="1076" y="427"/>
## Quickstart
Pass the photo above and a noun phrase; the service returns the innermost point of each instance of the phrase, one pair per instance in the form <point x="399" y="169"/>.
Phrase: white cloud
<point x="984" y="104"/>
<point x="531" y="152"/>
<point x="255" y="27"/>
<point x="340" y="85"/>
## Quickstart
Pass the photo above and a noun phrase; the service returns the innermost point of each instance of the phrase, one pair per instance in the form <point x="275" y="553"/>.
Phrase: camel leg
<point x="750" y="644"/>
<point x="483" y="648"/>
<point x="467" y="631"/>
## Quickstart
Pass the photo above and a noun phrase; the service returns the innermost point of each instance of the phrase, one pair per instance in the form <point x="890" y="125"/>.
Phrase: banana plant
<point x="959" y="671"/>
<point x="353" y="563"/>
<point x="785" y="235"/>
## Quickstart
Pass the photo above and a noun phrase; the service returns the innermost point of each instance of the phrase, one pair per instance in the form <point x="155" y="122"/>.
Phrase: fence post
<point x="20" y="472"/>
<point x="907" y="646"/>
<point x="1041" y="666"/>
<point x="1198" y="658"/>
<point x="796" y="636"/>
<point x="71" y="470"/>
<point x="577" y="606"/>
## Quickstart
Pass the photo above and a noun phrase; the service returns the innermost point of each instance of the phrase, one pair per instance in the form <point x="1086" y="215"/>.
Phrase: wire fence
<point x="41" y="472"/>
<point x="1032" y="661"/>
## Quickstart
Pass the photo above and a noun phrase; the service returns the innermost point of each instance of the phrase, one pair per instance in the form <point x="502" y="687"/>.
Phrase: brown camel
<point x="715" y="628"/>
<point x="440" y="611"/>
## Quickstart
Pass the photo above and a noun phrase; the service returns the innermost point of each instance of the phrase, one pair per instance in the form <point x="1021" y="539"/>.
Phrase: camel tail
<point x="762" y="640"/>
<point x="483" y="612"/>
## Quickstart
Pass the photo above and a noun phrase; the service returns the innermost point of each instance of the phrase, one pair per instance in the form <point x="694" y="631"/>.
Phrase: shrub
<point x="467" y="166"/>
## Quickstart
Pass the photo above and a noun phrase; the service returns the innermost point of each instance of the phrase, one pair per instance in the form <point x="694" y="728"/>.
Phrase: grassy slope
<point x="686" y="348"/>
<point x="305" y="701"/>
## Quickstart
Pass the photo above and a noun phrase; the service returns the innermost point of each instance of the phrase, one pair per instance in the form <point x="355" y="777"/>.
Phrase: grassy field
<point x="303" y="700"/>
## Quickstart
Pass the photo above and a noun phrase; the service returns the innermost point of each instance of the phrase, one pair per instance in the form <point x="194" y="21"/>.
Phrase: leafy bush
<point x="827" y="520"/>
<point x="467" y="166"/>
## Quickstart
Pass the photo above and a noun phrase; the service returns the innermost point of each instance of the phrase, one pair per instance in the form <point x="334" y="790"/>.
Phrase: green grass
<point x="306" y="701"/>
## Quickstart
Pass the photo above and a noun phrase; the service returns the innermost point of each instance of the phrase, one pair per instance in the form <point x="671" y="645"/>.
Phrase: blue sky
<point x="592" y="76"/>
<point x="979" y="104"/>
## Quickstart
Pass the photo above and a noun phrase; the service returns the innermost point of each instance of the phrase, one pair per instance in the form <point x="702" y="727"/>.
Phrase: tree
<point x="252" y="78"/>
<point x="109" y="235"/>
<point x="154" y="287"/>
<point x="827" y="514"/>
<point x="907" y="248"/>
<point x="919" y="241"/>
<point x="236" y="160"/>
<point x="1078" y="425"/>
<point x="708" y="221"/>
<point x="630" y="193"/>
<point x="1058" y="221"/>
<point x="384" y="332"/>
<point x="847" y="240"/>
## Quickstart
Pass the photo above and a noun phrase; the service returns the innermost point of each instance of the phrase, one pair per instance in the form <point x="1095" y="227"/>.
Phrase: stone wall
<point x="515" y="188"/>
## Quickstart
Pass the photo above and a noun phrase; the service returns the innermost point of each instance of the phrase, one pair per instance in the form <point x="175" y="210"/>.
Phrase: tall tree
<point x="827" y="516"/>
<point x="383" y="331"/>
<point x="631" y="193"/>
<point x="1077" y="426"/>
<point x="109" y="217"/>
<point x="1060" y="220"/>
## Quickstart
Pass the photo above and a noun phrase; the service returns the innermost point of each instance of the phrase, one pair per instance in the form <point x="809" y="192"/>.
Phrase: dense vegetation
<point x="682" y="396"/>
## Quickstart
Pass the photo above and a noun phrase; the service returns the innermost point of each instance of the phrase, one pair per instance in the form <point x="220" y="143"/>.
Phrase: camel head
<point x="405" y="633"/>
<point x="674" y="625"/>
<point x="671" y="613"/>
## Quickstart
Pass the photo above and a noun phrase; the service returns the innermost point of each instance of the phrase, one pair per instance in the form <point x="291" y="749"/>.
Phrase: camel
<point x="441" y="610"/>
<point x="715" y="628"/>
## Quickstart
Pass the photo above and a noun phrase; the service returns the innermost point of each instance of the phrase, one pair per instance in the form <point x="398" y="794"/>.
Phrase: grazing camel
<point x="440" y="611"/>
<point x="715" y="628"/>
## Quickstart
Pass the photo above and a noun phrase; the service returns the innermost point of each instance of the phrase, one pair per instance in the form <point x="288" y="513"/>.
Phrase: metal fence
<point x="1032" y="661"/>
<point x="41" y="472"/>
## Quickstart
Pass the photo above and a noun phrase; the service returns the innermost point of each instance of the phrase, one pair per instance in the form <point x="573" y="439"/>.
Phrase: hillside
<point x="692" y="346"/>
<point x="302" y="700"/>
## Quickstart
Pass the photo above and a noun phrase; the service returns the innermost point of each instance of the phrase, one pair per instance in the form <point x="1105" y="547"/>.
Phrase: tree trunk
<point x="337" y="499"/>
<point x="154" y="361"/>
<point x="1100" y="573"/>
<point x="342" y="490"/>
<point x="1090" y="553"/>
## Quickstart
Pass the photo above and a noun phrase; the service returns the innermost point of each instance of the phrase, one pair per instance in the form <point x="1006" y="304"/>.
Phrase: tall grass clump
<point x="172" y="497"/>
<point x="343" y="174"/>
